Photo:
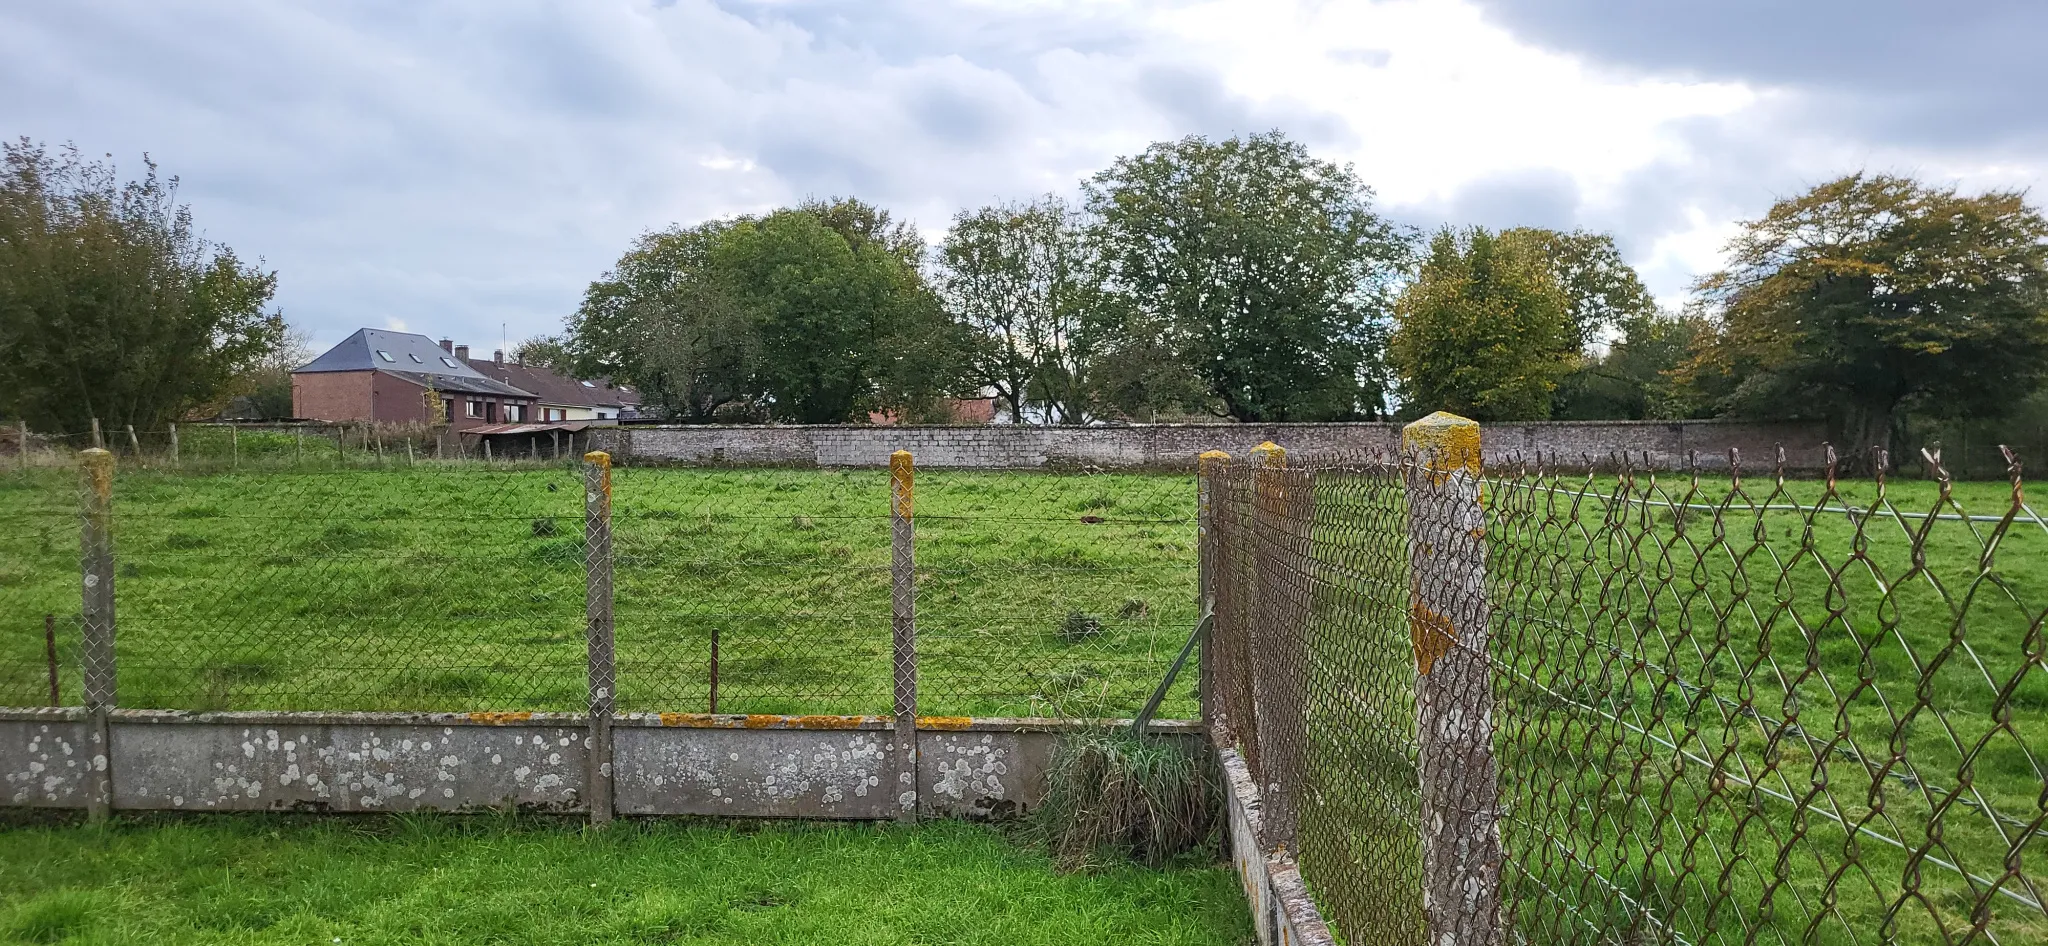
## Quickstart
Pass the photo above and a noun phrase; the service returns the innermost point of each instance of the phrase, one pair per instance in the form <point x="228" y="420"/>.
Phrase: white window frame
<point x="471" y="407"/>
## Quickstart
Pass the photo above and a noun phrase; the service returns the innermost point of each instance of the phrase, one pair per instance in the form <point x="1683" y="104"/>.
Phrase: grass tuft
<point x="1112" y="796"/>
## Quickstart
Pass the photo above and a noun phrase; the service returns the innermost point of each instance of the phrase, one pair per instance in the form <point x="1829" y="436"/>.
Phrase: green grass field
<point x="460" y="587"/>
<point x="288" y="880"/>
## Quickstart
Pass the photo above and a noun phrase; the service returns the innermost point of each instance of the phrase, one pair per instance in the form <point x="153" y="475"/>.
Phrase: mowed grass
<point x="461" y="587"/>
<point x="441" y="880"/>
<point x="1731" y="723"/>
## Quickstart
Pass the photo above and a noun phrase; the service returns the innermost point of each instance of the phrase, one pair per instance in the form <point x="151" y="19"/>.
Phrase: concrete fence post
<point x="96" y="565"/>
<point x="97" y="443"/>
<point x="23" y="429"/>
<point x="1276" y="693"/>
<point x="903" y="624"/>
<point x="1448" y="625"/>
<point x="176" y="463"/>
<point x="597" y="613"/>
<point x="1209" y="470"/>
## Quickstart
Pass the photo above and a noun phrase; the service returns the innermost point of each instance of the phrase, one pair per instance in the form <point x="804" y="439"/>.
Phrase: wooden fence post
<point x="234" y="447"/>
<point x="176" y="463"/>
<point x="1209" y="470"/>
<point x="97" y="443"/>
<point x="1448" y="626"/>
<point x="96" y="560"/>
<point x="903" y="625"/>
<point x="24" y="446"/>
<point x="134" y="442"/>
<point x="597" y="614"/>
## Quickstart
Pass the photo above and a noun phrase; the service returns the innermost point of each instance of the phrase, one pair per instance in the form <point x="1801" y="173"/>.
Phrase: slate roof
<point x="415" y="358"/>
<point x="553" y="388"/>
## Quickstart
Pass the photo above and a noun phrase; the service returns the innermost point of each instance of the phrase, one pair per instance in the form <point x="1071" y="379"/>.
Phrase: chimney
<point x="498" y="356"/>
<point x="462" y="352"/>
<point x="447" y="344"/>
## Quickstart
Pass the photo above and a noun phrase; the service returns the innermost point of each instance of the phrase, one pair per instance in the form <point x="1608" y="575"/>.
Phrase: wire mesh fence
<point x="430" y="585"/>
<point x="1723" y="709"/>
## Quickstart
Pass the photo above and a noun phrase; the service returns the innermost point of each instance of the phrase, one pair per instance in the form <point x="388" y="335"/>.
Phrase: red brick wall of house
<point x="332" y="395"/>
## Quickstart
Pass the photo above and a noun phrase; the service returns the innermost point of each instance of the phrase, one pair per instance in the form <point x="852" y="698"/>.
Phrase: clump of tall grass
<point x="1112" y="794"/>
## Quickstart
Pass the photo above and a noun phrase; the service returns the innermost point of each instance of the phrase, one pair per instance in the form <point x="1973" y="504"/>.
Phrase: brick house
<point x="561" y="398"/>
<point x="399" y="378"/>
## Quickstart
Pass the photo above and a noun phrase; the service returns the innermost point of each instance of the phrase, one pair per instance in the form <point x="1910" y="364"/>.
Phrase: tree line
<point x="1242" y="279"/>
<point x="1247" y="279"/>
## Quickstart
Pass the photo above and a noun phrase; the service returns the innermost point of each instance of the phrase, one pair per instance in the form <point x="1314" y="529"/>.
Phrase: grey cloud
<point x="1963" y="73"/>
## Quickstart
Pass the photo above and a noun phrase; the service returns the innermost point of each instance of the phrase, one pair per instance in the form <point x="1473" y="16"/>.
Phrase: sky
<point x="467" y="168"/>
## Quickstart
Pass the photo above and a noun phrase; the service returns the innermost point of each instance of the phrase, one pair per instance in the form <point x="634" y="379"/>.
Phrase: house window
<point x="491" y="412"/>
<point x="473" y="407"/>
<point x="558" y="413"/>
<point x="447" y="409"/>
<point x="385" y="355"/>
<point x="514" y="413"/>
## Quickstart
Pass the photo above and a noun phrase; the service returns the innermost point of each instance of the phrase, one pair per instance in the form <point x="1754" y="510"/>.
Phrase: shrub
<point x="1114" y="795"/>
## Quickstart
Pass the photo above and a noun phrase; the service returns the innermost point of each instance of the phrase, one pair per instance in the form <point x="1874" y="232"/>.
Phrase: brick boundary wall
<point x="1666" y="445"/>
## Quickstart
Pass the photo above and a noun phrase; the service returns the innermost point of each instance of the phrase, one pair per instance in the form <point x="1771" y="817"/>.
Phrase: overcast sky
<point x="447" y="168"/>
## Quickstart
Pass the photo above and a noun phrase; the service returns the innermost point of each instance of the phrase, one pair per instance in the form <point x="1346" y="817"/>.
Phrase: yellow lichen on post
<point x="98" y="465"/>
<point x="901" y="474"/>
<point x="1445" y="442"/>
<point x="1270" y="455"/>
<point x="1211" y="461"/>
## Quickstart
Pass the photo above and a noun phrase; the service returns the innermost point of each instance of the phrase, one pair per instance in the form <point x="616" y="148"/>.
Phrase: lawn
<point x="443" y="880"/>
<point x="460" y="587"/>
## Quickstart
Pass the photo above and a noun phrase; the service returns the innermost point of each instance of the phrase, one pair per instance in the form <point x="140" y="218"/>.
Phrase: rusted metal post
<point x="1209" y="470"/>
<point x="1447" y="622"/>
<point x="50" y="657"/>
<point x="597" y="614"/>
<point x="96" y="561"/>
<point x="903" y="624"/>
<point x="176" y="463"/>
<point x="714" y="669"/>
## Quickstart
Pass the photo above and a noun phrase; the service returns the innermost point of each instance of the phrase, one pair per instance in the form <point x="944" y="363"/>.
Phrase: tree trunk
<point x="1863" y="431"/>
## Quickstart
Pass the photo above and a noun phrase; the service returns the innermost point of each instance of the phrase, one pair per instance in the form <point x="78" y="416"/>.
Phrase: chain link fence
<point x="1638" y="707"/>
<point x="412" y="584"/>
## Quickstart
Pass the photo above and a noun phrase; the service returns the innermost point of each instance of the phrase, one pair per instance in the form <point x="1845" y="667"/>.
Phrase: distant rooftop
<point x="413" y="357"/>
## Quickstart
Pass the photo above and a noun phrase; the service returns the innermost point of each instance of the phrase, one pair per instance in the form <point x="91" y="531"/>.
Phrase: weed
<point x="1112" y="795"/>
<point x="1080" y="626"/>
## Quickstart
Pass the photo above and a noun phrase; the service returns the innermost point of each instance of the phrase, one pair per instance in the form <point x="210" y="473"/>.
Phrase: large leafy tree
<point x="1602" y="290"/>
<point x="1258" y="268"/>
<point x="112" y="306"/>
<point x="1021" y="280"/>
<point x="662" y="321"/>
<point x="1872" y="295"/>
<point x="1484" y="330"/>
<point x="1633" y="379"/>
<point x="815" y="314"/>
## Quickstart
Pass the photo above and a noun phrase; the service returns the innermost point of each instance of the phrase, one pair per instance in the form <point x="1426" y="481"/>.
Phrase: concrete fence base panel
<point x="1665" y="445"/>
<point x="824" y="767"/>
<point x="1283" y="913"/>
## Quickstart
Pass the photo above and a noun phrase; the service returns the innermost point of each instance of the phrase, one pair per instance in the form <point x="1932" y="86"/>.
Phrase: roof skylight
<point x="381" y="353"/>
<point x="450" y="362"/>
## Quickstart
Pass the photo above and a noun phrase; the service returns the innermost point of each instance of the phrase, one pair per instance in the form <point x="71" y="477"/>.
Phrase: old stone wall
<point x="1571" y="444"/>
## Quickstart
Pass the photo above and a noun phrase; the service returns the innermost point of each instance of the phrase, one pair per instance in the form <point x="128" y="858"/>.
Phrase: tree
<point x="1602" y="290"/>
<point x="112" y="306"/>
<point x="663" y="321"/>
<point x="1871" y="295"/>
<point x="267" y="388"/>
<point x="1259" y="269"/>
<point x="1484" y="330"/>
<point x="1020" y="279"/>
<point x="1633" y="380"/>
